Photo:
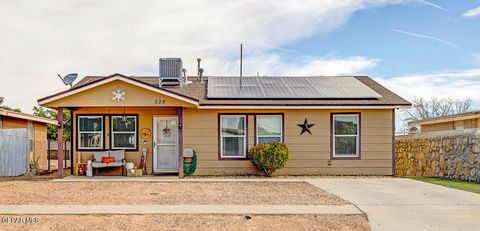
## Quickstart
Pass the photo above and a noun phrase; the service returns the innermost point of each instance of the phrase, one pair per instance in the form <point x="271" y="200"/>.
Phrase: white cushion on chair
<point x="118" y="155"/>
<point x="98" y="165"/>
<point x="98" y="155"/>
<point x="114" y="164"/>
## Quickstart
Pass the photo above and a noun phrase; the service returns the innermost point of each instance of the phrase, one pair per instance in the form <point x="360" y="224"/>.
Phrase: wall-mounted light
<point x="179" y="125"/>
<point x="144" y="142"/>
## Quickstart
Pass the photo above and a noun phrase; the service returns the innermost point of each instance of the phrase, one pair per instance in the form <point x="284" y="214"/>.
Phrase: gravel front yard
<point x="164" y="193"/>
<point x="192" y="222"/>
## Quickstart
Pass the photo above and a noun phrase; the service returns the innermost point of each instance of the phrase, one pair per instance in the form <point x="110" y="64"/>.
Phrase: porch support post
<point x="180" y="141"/>
<point x="71" y="142"/>
<point x="60" y="141"/>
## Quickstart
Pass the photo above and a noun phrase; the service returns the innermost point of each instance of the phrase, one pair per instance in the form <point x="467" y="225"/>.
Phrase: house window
<point x="31" y="137"/>
<point x="269" y="128"/>
<point x="1" y="123"/>
<point x="233" y="136"/>
<point x="124" y="132"/>
<point x="90" y="132"/>
<point x="346" y="135"/>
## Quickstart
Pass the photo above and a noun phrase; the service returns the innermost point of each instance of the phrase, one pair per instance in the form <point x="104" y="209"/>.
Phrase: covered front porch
<point x="118" y="113"/>
<point x="152" y="135"/>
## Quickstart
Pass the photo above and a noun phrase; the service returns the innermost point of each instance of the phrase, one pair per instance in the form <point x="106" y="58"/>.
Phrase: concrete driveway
<point x="404" y="204"/>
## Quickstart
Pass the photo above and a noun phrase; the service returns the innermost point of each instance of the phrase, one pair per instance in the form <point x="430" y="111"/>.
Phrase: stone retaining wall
<point x="452" y="155"/>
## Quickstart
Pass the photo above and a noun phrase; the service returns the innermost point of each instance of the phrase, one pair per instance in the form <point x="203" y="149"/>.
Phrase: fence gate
<point x="13" y="152"/>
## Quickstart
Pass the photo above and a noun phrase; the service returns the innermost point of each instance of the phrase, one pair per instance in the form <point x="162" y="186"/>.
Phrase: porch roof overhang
<point x="75" y="90"/>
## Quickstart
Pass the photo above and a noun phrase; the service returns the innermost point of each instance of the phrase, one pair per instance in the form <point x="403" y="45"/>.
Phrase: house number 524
<point x="160" y="101"/>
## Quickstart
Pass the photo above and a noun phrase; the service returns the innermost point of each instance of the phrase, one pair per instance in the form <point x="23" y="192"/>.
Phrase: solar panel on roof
<point x="275" y="91"/>
<point x="303" y="91"/>
<point x="288" y="88"/>
<point x="250" y="92"/>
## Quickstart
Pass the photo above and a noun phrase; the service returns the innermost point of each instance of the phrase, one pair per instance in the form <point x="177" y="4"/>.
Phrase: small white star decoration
<point x="118" y="95"/>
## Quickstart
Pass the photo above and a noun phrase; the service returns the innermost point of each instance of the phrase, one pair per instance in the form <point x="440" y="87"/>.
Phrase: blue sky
<point x="414" y="47"/>
<point x="369" y="33"/>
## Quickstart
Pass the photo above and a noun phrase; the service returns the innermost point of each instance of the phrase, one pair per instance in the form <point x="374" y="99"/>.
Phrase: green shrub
<point x="269" y="156"/>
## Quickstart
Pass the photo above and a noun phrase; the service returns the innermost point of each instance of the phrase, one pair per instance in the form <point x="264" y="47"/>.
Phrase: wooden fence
<point x="13" y="152"/>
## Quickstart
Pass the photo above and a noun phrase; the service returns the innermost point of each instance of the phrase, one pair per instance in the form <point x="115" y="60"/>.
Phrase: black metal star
<point x="305" y="127"/>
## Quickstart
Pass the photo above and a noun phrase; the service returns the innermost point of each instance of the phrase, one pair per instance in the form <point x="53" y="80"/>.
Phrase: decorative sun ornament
<point x="118" y="95"/>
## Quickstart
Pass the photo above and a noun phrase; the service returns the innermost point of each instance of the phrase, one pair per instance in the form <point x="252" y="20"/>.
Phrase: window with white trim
<point x="233" y="139"/>
<point x="124" y="132"/>
<point x="269" y="128"/>
<point x="90" y="132"/>
<point x="346" y="135"/>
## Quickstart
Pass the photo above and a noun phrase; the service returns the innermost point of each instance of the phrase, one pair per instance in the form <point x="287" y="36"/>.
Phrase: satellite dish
<point x="68" y="79"/>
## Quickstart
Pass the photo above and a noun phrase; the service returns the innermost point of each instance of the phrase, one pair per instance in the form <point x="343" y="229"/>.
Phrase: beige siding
<point x="309" y="154"/>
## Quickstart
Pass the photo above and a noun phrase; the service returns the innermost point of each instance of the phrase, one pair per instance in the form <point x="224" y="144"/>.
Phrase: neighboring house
<point x="468" y="120"/>
<point x="36" y="131"/>
<point x="351" y="120"/>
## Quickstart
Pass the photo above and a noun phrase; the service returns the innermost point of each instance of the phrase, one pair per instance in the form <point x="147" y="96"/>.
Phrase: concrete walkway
<point x="405" y="204"/>
<point x="178" y="209"/>
<point x="171" y="179"/>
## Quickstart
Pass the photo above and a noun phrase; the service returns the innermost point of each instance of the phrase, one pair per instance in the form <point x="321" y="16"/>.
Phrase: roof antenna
<point x="241" y="64"/>
<point x="68" y="79"/>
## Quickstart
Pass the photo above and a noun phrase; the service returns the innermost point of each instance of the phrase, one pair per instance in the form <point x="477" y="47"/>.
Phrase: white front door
<point x="165" y="144"/>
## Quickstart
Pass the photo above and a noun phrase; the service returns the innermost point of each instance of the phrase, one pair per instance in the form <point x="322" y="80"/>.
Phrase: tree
<point x="52" y="129"/>
<point x="430" y="108"/>
<point x="10" y="108"/>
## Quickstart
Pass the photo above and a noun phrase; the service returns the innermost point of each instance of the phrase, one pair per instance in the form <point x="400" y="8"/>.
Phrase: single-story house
<point x="331" y="125"/>
<point x="462" y="121"/>
<point x="36" y="128"/>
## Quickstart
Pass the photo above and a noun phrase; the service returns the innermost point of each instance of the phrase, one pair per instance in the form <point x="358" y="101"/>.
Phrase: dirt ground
<point x="190" y="222"/>
<point x="164" y="193"/>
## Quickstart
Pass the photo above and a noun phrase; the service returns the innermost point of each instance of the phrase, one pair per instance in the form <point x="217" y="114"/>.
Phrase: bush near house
<point x="269" y="156"/>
